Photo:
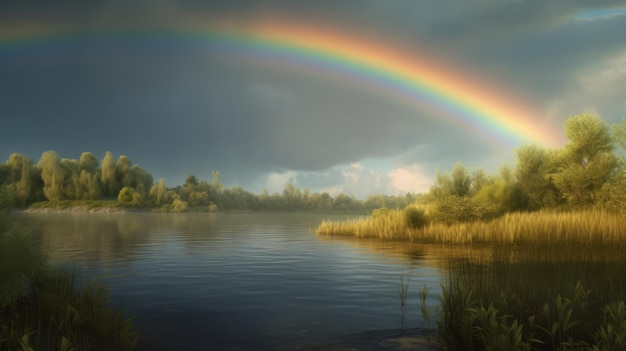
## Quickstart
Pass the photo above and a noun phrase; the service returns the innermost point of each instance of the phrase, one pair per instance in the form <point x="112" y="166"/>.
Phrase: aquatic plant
<point x="45" y="308"/>
<point x="505" y="304"/>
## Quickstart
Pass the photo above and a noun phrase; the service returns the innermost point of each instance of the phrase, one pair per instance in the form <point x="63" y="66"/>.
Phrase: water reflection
<point x="238" y="281"/>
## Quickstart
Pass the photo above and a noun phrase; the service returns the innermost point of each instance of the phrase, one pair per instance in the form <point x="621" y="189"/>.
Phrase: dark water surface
<point x="241" y="281"/>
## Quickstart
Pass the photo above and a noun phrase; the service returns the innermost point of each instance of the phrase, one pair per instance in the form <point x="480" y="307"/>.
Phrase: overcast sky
<point x="176" y="109"/>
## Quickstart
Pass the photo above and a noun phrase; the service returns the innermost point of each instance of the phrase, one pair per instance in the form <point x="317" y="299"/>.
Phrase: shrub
<point x="415" y="218"/>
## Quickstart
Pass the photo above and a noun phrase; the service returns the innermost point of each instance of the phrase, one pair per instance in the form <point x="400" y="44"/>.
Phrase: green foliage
<point x="6" y="199"/>
<point x="619" y="133"/>
<point x="524" y="304"/>
<point x="479" y="181"/>
<point x="20" y="181"/>
<point x="158" y="193"/>
<point x="52" y="175"/>
<point x="43" y="308"/>
<point x="534" y="165"/>
<point x="129" y="196"/>
<point x="107" y="175"/>
<point x="88" y="163"/>
<point x="415" y="218"/>
<point x="587" y="161"/>
<point x="179" y="205"/>
<point x="456" y="209"/>
<point x="611" y="336"/>
<point x="457" y="184"/>
<point x="612" y="195"/>
<point x="498" y="198"/>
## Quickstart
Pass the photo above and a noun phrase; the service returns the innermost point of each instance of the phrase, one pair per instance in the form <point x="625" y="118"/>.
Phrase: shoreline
<point x="76" y="209"/>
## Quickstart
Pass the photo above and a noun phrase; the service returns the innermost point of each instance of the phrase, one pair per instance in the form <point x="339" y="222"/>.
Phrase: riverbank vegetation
<point x="574" y="193"/>
<point x="578" y="227"/>
<point x="45" y="308"/>
<point x="555" y="226"/>
<point x="521" y="299"/>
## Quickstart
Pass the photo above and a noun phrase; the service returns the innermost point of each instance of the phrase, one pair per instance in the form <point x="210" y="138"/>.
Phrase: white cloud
<point x="276" y="181"/>
<point x="409" y="179"/>
<point x="355" y="179"/>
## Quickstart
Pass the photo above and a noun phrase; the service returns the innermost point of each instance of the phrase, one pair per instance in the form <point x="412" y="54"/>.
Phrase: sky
<point x="355" y="96"/>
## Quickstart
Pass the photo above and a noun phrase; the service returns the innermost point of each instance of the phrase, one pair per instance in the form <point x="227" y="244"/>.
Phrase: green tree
<point x="461" y="180"/>
<point x="71" y="178"/>
<point x="442" y="187"/>
<point x="88" y="186"/>
<point x="293" y="197"/>
<point x="158" y="193"/>
<point x="479" y="180"/>
<point x="130" y="196"/>
<point x="191" y="182"/>
<point x="52" y="175"/>
<point x="457" y="184"/>
<point x="532" y="171"/>
<point x="345" y="203"/>
<point x="587" y="161"/>
<point x="138" y="179"/>
<point x="88" y="163"/>
<point x="619" y="133"/>
<point x="122" y="167"/>
<point x="20" y="180"/>
<point x="216" y="180"/>
<point x="107" y="175"/>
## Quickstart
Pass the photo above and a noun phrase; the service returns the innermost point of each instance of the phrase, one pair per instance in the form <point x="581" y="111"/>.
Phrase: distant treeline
<point x="23" y="182"/>
<point x="589" y="171"/>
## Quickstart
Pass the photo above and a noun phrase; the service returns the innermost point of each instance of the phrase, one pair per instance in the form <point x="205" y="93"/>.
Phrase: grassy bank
<point x="530" y="304"/>
<point x="587" y="227"/>
<point x="44" y="308"/>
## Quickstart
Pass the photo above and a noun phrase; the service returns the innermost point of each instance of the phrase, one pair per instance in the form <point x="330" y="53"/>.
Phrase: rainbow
<point x="410" y="77"/>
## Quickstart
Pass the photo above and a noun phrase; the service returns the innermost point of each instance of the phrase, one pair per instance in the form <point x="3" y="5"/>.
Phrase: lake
<point x="241" y="281"/>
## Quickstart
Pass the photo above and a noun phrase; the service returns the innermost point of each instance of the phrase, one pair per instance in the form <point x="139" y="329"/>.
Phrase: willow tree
<point x="587" y="162"/>
<point x="19" y="180"/>
<point x="158" y="193"/>
<point x="107" y="175"/>
<point x="52" y="175"/>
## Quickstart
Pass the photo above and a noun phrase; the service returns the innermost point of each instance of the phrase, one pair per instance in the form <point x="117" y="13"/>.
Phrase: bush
<point x="457" y="209"/>
<point x="415" y="218"/>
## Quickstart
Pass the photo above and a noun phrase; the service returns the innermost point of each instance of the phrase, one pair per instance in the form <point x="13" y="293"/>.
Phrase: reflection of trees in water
<point x="116" y="237"/>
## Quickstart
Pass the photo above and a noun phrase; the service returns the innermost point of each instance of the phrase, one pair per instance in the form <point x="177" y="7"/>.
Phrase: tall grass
<point x="44" y="308"/>
<point x="587" y="227"/>
<point x="524" y="304"/>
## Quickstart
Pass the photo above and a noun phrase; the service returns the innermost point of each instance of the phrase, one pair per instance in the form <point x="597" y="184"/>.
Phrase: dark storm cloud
<point x="175" y="108"/>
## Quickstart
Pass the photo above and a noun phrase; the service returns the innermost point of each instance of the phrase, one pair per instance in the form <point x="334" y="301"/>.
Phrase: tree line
<point x="24" y="182"/>
<point x="588" y="172"/>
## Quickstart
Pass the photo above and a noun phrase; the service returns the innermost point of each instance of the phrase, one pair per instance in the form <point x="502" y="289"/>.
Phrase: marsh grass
<point x="405" y="281"/>
<point x="44" y="308"/>
<point x="524" y="304"/>
<point x="576" y="228"/>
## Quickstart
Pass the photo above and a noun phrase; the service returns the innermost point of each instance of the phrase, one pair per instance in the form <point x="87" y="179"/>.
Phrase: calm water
<point x="253" y="281"/>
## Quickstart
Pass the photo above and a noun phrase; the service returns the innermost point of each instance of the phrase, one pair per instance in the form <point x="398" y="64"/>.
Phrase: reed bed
<point x="570" y="304"/>
<point x="585" y="227"/>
